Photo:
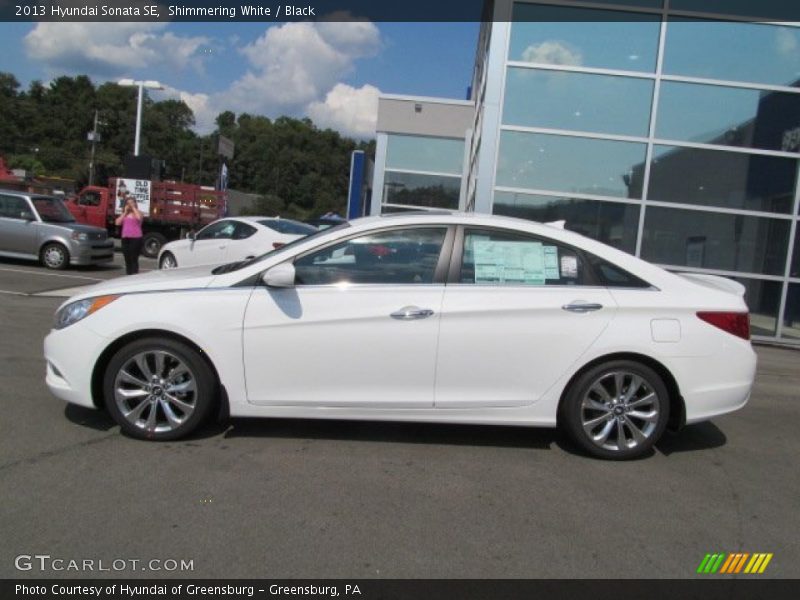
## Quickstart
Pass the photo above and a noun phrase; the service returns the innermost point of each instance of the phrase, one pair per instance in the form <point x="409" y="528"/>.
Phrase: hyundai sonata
<point x="457" y="318"/>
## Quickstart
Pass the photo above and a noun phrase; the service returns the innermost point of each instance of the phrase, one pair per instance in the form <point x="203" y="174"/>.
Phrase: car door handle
<point x="409" y="313"/>
<point x="582" y="307"/>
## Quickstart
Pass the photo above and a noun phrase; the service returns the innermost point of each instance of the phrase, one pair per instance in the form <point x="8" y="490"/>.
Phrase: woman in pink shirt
<point x="131" y="222"/>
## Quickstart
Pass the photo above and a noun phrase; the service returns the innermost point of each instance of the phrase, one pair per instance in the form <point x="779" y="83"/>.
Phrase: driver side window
<point x="217" y="231"/>
<point x="401" y="256"/>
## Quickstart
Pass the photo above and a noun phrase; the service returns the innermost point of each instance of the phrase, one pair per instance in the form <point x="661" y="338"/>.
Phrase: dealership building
<point x="666" y="132"/>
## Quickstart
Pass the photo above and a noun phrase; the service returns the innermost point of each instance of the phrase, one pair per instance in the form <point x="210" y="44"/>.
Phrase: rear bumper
<point x="716" y="385"/>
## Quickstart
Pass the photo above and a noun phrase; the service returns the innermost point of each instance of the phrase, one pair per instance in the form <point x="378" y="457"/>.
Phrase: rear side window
<point x="12" y="207"/>
<point x="289" y="227"/>
<point x="243" y="231"/>
<point x="610" y="275"/>
<point x="503" y="258"/>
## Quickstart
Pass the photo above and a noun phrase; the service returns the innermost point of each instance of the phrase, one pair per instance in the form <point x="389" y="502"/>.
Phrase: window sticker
<point x="509" y="262"/>
<point x="551" y="263"/>
<point x="569" y="267"/>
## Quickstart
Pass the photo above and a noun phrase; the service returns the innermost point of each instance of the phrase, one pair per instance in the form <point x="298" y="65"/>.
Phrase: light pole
<point x="150" y="85"/>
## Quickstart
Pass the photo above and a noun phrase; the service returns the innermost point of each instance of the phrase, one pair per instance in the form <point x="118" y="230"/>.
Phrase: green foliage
<point x="299" y="171"/>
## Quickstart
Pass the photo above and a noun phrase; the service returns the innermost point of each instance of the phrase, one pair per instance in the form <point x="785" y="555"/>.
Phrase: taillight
<point x="276" y="245"/>
<point x="736" y="323"/>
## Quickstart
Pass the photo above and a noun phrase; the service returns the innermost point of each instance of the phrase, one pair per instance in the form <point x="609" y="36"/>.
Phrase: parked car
<point x="233" y="239"/>
<point x="40" y="228"/>
<point x="440" y="318"/>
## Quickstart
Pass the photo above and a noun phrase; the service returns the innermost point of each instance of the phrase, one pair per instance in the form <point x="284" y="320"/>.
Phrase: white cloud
<point x="110" y="49"/>
<point x="552" y="52"/>
<point x="297" y="63"/>
<point x="787" y="42"/>
<point x="352" y="111"/>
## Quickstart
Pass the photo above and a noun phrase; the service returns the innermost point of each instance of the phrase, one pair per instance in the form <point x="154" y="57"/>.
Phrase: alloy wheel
<point x="54" y="257"/>
<point x="155" y="391"/>
<point x="620" y="410"/>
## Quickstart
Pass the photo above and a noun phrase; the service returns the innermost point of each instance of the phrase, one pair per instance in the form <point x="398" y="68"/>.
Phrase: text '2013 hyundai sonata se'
<point x="456" y="318"/>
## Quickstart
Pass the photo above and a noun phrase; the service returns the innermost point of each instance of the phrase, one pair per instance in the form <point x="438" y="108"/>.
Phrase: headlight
<point x="79" y="236"/>
<point x="75" y="311"/>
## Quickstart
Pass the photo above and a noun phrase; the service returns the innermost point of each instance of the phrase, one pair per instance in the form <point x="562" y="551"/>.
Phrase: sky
<point x="331" y="72"/>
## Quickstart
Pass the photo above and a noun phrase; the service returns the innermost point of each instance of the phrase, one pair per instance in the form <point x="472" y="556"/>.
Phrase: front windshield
<point x="52" y="210"/>
<point x="235" y="266"/>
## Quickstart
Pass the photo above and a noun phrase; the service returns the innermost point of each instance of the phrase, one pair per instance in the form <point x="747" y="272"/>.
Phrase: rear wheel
<point x="617" y="410"/>
<point x="158" y="389"/>
<point x="168" y="261"/>
<point x="152" y="243"/>
<point x="54" y="256"/>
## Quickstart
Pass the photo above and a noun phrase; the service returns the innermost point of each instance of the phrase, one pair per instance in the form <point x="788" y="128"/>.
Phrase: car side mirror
<point x="279" y="276"/>
<point x="27" y="215"/>
<point x="191" y="236"/>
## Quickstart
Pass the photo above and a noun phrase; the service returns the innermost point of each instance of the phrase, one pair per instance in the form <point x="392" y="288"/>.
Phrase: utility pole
<point x="94" y="137"/>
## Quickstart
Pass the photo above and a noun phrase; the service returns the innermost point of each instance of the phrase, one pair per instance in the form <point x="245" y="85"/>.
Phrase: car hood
<point x="79" y="227"/>
<point x="153" y="281"/>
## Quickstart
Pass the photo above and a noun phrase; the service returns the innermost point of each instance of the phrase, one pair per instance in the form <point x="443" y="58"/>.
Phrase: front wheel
<point x="54" y="256"/>
<point x="158" y="389"/>
<point x="168" y="261"/>
<point x="152" y="243"/>
<point x="616" y="410"/>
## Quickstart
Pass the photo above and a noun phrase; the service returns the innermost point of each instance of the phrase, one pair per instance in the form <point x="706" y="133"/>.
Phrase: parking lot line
<point x="10" y="293"/>
<point x="48" y="273"/>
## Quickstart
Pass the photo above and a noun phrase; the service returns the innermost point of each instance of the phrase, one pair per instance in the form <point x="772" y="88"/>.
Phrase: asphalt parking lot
<point x="292" y="499"/>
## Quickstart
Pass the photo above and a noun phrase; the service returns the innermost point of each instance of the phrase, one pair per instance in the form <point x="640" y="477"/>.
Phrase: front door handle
<point x="579" y="306"/>
<point x="409" y="313"/>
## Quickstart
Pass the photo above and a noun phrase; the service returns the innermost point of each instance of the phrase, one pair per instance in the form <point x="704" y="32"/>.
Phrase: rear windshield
<point x="289" y="227"/>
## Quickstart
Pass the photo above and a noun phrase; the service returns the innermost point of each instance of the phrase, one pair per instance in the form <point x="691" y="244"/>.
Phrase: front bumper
<point x="71" y="354"/>
<point x="91" y="253"/>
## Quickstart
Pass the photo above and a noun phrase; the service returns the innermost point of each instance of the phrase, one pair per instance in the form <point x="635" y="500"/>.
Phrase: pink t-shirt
<point x="131" y="227"/>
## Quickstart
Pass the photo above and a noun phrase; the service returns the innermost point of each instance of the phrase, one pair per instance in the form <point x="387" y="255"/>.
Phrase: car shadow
<point x="692" y="438"/>
<point x="89" y="417"/>
<point x="395" y="432"/>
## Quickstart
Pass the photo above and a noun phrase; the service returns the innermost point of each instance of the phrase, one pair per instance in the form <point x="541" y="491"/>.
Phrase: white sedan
<point x="457" y="318"/>
<point x="230" y="240"/>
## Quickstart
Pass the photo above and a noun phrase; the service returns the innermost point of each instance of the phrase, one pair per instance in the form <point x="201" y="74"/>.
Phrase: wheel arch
<point x="113" y="347"/>
<point x="677" y="408"/>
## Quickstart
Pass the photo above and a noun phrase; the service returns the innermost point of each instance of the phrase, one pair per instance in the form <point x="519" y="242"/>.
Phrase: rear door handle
<point x="409" y="313"/>
<point x="582" y="307"/>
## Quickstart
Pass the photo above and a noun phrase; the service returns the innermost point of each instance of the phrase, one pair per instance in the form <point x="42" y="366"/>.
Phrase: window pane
<point x="568" y="164"/>
<point x="402" y="256"/>
<point x="612" y="223"/>
<point x="289" y="227"/>
<point x="584" y="37"/>
<point x="795" y="267"/>
<point x="499" y="258"/>
<point x="418" y="153"/>
<point x="791" y="316"/>
<point x="779" y="10"/>
<point x="763" y="299"/>
<point x="12" y="207"/>
<point x="729" y="116"/>
<point x="715" y="240"/>
<point x="725" y="179"/>
<point x="733" y="51"/>
<point x="584" y="102"/>
<point x="421" y="190"/>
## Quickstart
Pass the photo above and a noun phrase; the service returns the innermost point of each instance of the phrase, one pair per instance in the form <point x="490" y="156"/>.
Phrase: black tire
<point x="580" y="410"/>
<point x="202" y="398"/>
<point x="54" y="256"/>
<point x="152" y="243"/>
<point x="165" y="257"/>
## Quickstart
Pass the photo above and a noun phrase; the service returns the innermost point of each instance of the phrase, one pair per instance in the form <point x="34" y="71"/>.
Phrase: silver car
<point x="41" y="228"/>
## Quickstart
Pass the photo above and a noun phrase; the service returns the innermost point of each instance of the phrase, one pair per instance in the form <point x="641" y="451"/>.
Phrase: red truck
<point x="170" y="209"/>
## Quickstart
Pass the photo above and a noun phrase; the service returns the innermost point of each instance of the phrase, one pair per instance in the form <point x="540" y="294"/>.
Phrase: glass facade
<point x="667" y="135"/>
<point x="422" y="173"/>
